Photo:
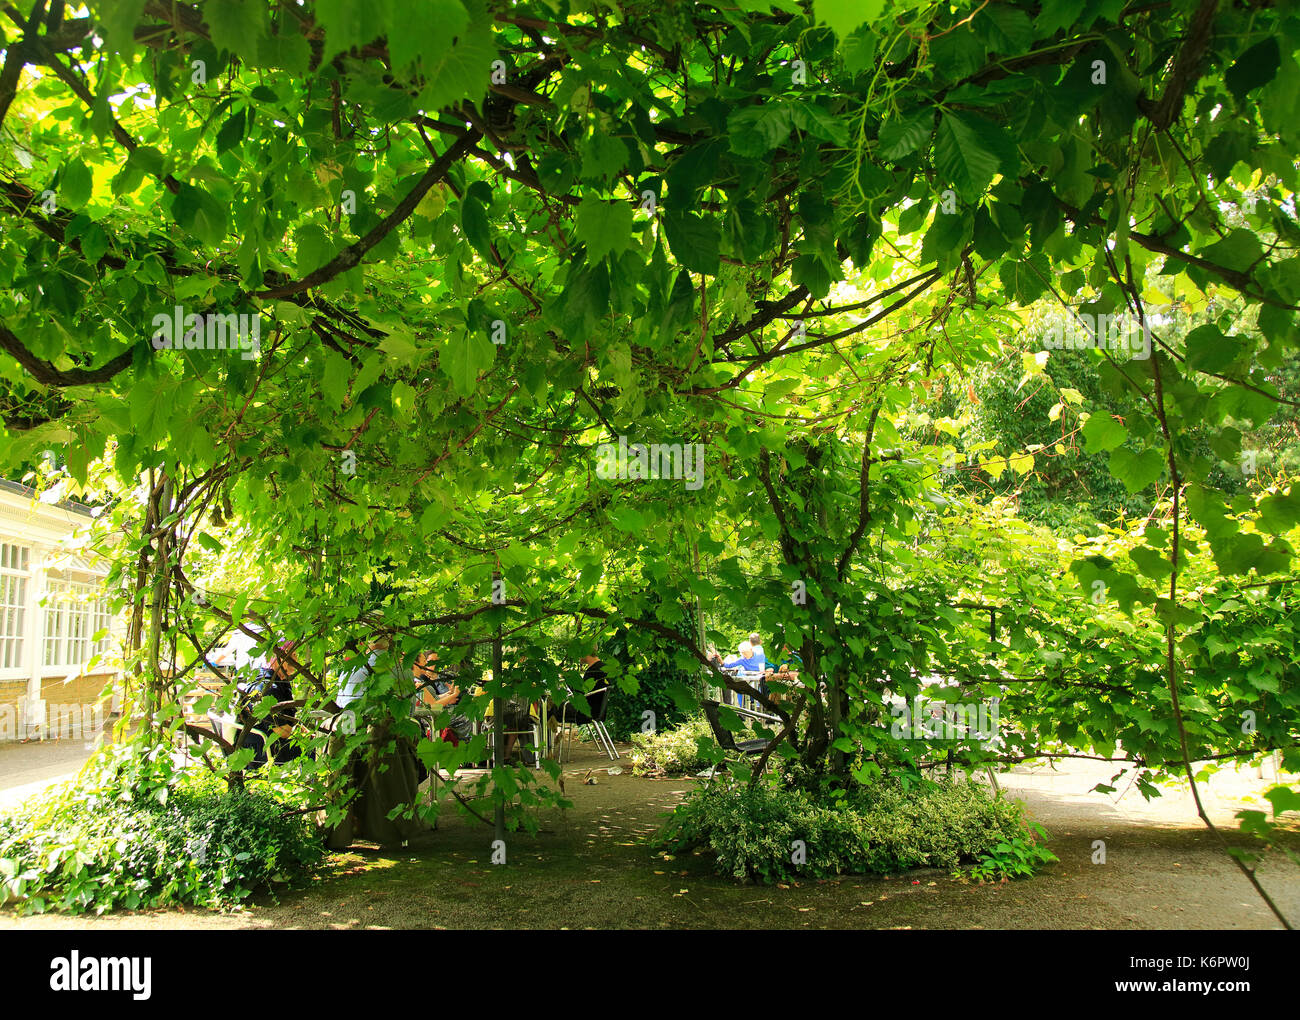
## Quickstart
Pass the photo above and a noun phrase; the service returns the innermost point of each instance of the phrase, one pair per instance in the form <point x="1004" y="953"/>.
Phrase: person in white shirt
<point x="238" y="653"/>
<point x="353" y="683"/>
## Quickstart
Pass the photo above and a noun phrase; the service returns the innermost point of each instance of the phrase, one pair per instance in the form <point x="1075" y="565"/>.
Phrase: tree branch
<point x="352" y="255"/>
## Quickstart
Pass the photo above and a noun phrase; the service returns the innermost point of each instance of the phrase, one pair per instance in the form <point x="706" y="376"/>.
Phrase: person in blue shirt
<point x="747" y="661"/>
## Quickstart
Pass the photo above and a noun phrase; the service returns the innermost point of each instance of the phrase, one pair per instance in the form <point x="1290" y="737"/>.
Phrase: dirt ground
<point x="590" y="867"/>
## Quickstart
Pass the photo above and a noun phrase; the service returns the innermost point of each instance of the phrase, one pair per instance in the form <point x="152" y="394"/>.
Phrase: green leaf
<point x="119" y="20"/>
<point x="94" y="243"/>
<point x="426" y="31"/>
<point x="603" y="157"/>
<point x="1025" y="281"/>
<point x="200" y="214"/>
<point x="845" y="15"/>
<point x="626" y="519"/>
<point x="1209" y="509"/>
<point x="1257" y="66"/>
<point x="75" y="184"/>
<point x="968" y="151"/>
<point x="1150" y="562"/>
<point x="312" y="247"/>
<point x="1237" y="553"/>
<point x="289" y="51"/>
<point x="911" y="218"/>
<point x="464" y="359"/>
<point x="1136" y="470"/>
<point x="1283" y="798"/>
<point x="461" y="71"/>
<point x="604" y="227"/>
<point x="335" y="372"/>
<point x="1007" y="30"/>
<point x="404" y="399"/>
<point x="811" y="272"/>
<point x="474" y="222"/>
<point x="1208" y="350"/>
<point x="902" y="137"/>
<point x="946" y="238"/>
<point x="231" y="132"/>
<point x="1240" y="250"/>
<point x="859" y="51"/>
<point x="1279" y="513"/>
<point x="237" y="26"/>
<point x="756" y="130"/>
<point x="694" y="241"/>
<point x="1058" y="14"/>
<point x="693" y="169"/>
<point x="433" y="518"/>
<point x="209" y="543"/>
<point x="400" y="346"/>
<point x="820" y="123"/>
<point x="1102" y="433"/>
<point x="347" y="24"/>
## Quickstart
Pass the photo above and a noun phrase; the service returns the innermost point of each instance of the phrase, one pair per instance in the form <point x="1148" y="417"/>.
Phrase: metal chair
<point x="751" y="748"/>
<point x="598" y="701"/>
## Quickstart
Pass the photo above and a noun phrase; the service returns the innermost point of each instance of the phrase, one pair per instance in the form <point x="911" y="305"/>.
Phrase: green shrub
<point x="760" y="832"/>
<point x="655" y="684"/>
<point x="137" y="833"/>
<point x="672" y="752"/>
<point x="1015" y="858"/>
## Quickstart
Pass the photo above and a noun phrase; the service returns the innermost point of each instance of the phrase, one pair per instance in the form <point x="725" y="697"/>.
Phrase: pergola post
<point x="498" y="723"/>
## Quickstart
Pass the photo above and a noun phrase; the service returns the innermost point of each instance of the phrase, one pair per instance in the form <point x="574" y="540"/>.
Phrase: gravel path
<point x="590" y="867"/>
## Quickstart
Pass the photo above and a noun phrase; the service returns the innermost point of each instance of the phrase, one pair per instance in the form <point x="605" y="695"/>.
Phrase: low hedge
<point x="135" y="833"/>
<point x="770" y="833"/>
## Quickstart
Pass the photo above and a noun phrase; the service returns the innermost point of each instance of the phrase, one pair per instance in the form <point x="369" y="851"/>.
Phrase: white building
<point x="57" y="673"/>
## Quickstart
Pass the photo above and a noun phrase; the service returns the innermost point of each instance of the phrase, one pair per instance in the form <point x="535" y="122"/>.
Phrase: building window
<point x="74" y="613"/>
<point x="14" y="565"/>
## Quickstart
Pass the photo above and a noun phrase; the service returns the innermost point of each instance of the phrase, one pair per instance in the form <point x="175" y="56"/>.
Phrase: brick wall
<point x="76" y="709"/>
<point x="84" y="690"/>
<point x="10" y="692"/>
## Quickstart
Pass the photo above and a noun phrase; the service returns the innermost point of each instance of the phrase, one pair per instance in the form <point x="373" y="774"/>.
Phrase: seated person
<point x="354" y="682"/>
<point x="520" y="716"/>
<point x="595" y="671"/>
<point x="596" y="691"/>
<point x="786" y="671"/>
<point x="438" y="690"/>
<point x="272" y="681"/>
<point x="789" y="662"/>
<point x="745" y="660"/>
<point x="238" y="652"/>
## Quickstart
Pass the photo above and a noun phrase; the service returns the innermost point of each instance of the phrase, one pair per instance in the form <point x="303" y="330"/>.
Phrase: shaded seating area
<point x="750" y="747"/>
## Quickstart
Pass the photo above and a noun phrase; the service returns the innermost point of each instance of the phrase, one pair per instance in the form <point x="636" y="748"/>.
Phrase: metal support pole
<point x="498" y="724"/>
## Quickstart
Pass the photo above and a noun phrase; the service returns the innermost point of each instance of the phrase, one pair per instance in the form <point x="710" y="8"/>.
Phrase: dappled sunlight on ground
<point x="590" y="866"/>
